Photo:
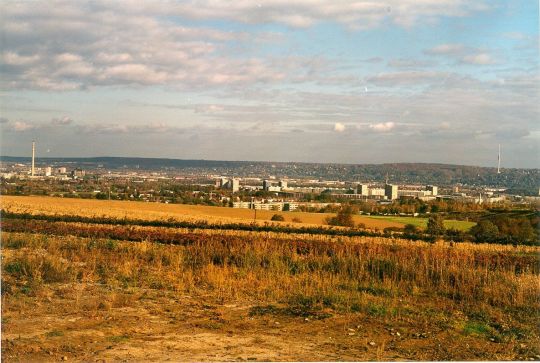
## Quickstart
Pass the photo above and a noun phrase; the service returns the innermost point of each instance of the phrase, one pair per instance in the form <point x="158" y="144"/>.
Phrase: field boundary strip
<point x="202" y="224"/>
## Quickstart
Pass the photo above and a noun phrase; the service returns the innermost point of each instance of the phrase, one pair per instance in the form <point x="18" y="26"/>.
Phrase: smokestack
<point x="499" y="161"/>
<point x="33" y="156"/>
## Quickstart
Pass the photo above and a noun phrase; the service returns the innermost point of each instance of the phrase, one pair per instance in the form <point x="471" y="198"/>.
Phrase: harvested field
<point x="151" y="211"/>
<point x="94" y="289"/>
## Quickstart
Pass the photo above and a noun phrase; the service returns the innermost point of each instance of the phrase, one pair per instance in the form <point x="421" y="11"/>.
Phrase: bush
<point x="410" y="229"/>
<point x="297" y="220"/>
<point x="343" y="218"/>
<point x="455" y="235"/>
<point x="277" y="217"/>
<point x="485" y="231"/>
<point x="435" y="225"/>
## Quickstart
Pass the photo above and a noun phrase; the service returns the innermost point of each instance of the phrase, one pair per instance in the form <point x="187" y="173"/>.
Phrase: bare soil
<point x="83" y="322"/>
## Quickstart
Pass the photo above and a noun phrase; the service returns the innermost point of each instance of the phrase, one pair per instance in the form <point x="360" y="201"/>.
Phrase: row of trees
<point x="497" y="230"/>
<point x="402" y="205"/>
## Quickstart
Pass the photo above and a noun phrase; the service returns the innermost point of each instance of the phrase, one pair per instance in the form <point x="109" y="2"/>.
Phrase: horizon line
<point x="263" y="161"/>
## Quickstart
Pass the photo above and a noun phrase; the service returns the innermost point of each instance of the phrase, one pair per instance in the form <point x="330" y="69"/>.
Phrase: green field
<point x="422" y="222"/>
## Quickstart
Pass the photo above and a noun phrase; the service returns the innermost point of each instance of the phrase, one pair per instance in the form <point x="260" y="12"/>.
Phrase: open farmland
<point x="149" y="211"/>
<point x="228" y="297"/>
<point x="84" y="292"/>
<point x="422" y="222"/>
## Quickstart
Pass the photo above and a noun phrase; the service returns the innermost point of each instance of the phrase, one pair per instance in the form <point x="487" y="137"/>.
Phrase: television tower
<point x="499" y="161"/>
<point x="33" y="157"/>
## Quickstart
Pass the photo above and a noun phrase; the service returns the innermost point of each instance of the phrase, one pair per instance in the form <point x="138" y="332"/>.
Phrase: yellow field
<point x="153" y="211"/>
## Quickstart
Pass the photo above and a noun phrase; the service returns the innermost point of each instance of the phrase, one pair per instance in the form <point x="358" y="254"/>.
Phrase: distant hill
<point x="525" y="181"/>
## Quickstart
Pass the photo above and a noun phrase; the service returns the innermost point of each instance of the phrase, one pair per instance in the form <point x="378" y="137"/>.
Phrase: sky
<point x="360" y="81"/>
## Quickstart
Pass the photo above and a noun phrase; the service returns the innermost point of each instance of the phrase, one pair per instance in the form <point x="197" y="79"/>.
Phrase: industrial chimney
<point x="33" y="156"/>
<point x="499" y="161"/>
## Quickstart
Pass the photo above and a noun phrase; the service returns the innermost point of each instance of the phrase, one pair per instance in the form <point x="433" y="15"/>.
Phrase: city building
<point x="235" y="185"/>
<point x="268" y="205"/>
<point x="413" y="193"/>
<point x="232" y="184"/>
<point x="77" y="173"/>
<point x="362" y="189"/>
<point x="376" y="192"/>
<point x="433" y="189"/>
<point x="223" y="182"/>
<point x="391" y="191"/>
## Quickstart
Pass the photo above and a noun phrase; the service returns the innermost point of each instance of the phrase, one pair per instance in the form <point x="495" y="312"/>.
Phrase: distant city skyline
<point x="306" y="81"/>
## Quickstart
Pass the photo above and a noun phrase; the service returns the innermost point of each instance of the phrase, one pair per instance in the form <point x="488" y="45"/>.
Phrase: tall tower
<point x="33" y="157"/>
<point x="499" y="160"/>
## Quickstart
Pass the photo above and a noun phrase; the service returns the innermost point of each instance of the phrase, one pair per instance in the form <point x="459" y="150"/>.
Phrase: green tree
<point x="525" y="231"/>
<point x="435" y="225"/>
<point x="101" y="195"/>
<point x="343" y="218"/>
<point x="485" y="231"/>
<point x="410" y="229"/>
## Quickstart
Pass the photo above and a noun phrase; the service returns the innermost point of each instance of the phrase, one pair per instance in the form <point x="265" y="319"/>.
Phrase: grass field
<point x="141" y="210"/>
<point x="422" y="222"/>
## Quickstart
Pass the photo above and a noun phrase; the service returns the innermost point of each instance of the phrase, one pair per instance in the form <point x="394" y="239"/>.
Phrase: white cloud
<point x="77" y="45"/>
<point x="382" y="126"/>
<point x="463" y="54"/>
<point x="339" y="127"/>
<point x="359" y="14"/>
<point x="478" y="59"/>
<point x="447" y="49"/>
<point x="12" y="58"/>
<point x="22" y="126"/>
<point x="408" y="78"/>
<point x="62" y="121"/>
<point x="63" y="49"/>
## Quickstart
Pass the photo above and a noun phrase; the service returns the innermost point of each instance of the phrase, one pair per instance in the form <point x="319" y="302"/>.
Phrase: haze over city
<point x="316" y="81"/>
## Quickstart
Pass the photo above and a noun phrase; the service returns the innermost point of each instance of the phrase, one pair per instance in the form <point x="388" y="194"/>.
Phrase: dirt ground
<point x="92" y="323"/>
<point x="121" y="209"/>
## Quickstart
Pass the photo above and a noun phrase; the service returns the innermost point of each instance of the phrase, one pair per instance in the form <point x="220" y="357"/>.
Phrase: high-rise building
<point x="433" y="189"/>
<point x="77" y="173"/>
<point x="362" y="189"/>
<point x="223" y="182"/>
<point x="48" y="171"/>
<point x="235" y="185"/>
<point x="282" y="184"/>
<point x="267" y="184"/>
<point x="391" y="191"/>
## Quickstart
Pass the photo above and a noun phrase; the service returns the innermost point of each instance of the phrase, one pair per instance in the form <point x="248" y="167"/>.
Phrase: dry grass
<point x="272" y="270"/>
<point x="156" y="211"/>
<point x="464" y="294"/>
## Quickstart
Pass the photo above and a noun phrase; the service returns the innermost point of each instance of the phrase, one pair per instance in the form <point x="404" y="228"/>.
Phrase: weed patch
<point x="54" y="333"/>
<point x="476" y="328"/>
<point x="118" y="338"/>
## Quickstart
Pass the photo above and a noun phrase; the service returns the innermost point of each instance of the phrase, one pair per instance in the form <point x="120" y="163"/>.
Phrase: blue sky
<point x="298" y="80"/>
